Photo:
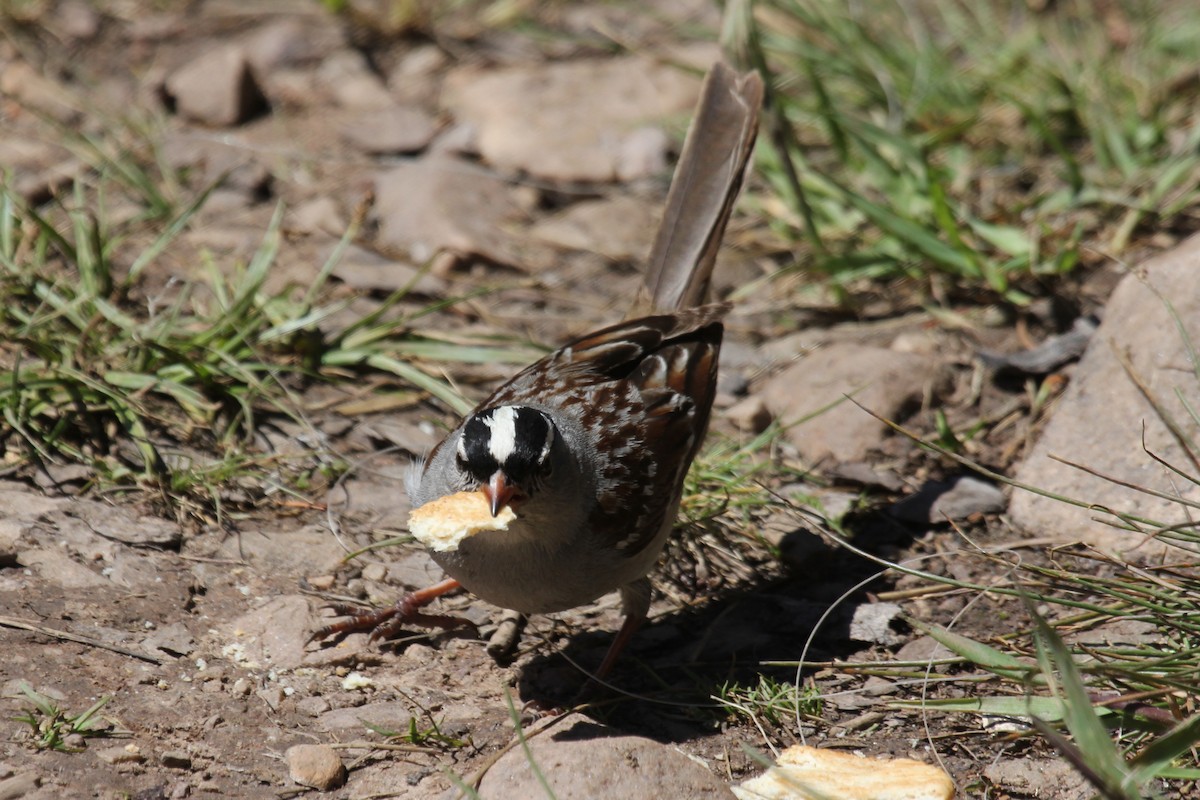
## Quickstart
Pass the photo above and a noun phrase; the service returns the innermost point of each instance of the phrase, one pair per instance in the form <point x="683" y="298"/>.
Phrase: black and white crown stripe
<point x="515" y="438"/>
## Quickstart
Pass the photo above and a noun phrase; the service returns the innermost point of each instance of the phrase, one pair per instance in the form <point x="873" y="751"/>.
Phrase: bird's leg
<point x="635" y="603"/>
<point x="384" y="623"/>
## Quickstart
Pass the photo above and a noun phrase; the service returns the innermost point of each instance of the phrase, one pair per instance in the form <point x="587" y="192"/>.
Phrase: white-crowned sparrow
<point x="591" y="444"/>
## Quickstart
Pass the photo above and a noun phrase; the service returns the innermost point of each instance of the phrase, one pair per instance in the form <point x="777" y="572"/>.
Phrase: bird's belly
<point x="527" y="576"/>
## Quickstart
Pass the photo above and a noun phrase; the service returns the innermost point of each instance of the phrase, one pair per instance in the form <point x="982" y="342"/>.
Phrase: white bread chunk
<point x="808" y="773"/>
<point x="442" y="524"/>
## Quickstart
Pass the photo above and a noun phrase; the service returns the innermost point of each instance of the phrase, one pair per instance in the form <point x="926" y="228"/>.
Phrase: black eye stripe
<point x="534" y="435"/>
<point x="473" y="447"/>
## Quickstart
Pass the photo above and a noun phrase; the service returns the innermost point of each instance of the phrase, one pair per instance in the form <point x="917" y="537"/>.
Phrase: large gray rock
<point x="885" y="381"/>
<point x="1101" y="420"/>
<point x="588" y="761"/>
<point x="444" y="204"/>
<point x="530" y="118"/>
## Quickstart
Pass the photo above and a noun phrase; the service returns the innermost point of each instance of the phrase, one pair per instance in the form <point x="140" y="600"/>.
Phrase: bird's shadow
<point x="664" y="684"/>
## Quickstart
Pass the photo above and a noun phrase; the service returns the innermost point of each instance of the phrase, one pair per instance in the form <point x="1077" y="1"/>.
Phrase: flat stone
<point x="1103" y="418"/>
<point x="18" y="502"/>
<point x="346" y="75"/>
<point x="588" y="761"/>
<point x="362" y="269"/>
<point x="318" y="215"/>
<point x="290" y="42"/>
<point x="32" y="89"/>
<point x="619" y="228"/>
<point x="528" y="117"/>
<point x="444" y="204"/>
<point x="19" y="785"/>
<point x="217" y="88"/>
<point x="310" y="550"/>
<point x="390" y="716"/>
<point x="274" y="634"/>
<point x="885" y="381"/>
<point x="173" y="639"/>
<point x="1039" y="778"/>
<point x="59" y="569"/>
<point x="119" y="525"/>
<point x="394" y="130"/>
<point x="940" y="502"/>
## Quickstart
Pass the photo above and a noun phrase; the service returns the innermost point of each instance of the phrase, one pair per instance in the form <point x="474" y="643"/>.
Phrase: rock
<point x="444" y="204"/>
<point x="399" y="129"/>
<point x="390" y="716"/>
<point x="375" y="571"/>
<point x="274" y="634"/>
<point x="549" y="138"/>
<point x="128" y="754"/>
<point x="217" y="88"/>
<point x="362" y="269"/>
<point x="175" y="759"/>
<point x="587" y="761"/>
<point x="1042" y="778"/>
<point x="939" y="502"/>
<point x="18" y="502"/>
<point x="287" y="43"/>
<point x="866" y="475"/>
<point x="33" y="90"/>
<point x="642" y="152"/>
<point x="19" y="785"/>
<point x="884" y="381"/>
<point x="78" y="20"/>
<point x="11" y="531"/>
<point x="173" y="639"/>
<point x="312" y="706"/>
<point x="40" y="169"/>
<point x="832" y="773"/>
<point x="1103" y="418"/>
<point x="620" y="228"/>
<point x="316" y="765"/>
<point x="120" y="525"/>
<point x="1049" y="355"/>
<point x="750" y="414"/>
<point x="1116" y="632"/>
<point x="272" y="696"/>
<point x="309" y="550"/>
<point x="414" y="438"/>
<point x="923" y="648"/>
<point x="318" y="215"/>
<point x="237" y="170"/>
<point x="414" y="77"/>
<point x="57" y="568"/>
<point x="347" y="77"/>
<point x="872" y="622"/>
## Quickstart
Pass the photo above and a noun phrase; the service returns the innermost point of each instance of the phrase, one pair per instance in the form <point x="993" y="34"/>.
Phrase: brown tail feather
<point x="703" y="190"/>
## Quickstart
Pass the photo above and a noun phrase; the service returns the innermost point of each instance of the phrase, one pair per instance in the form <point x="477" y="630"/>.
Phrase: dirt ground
<point x="197" y="629"/>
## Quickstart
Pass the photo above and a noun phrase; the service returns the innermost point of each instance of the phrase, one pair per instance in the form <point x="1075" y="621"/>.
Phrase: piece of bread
<point x="808" y="773"/>
<point x="442" y="524"/>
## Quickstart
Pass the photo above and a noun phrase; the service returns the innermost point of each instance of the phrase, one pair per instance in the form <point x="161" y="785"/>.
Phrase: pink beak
<point x="499" y="491"/>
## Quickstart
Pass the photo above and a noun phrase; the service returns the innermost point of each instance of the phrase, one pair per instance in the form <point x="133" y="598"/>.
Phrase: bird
<point x="590" y="445"/>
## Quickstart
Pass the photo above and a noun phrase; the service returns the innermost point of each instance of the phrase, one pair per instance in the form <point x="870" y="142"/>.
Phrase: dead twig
<point x="54" y="633"/>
